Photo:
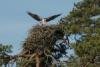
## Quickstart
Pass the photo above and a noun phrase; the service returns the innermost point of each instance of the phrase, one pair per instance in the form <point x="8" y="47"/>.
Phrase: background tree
<point x="4" y="54"/>
<point x="84" y="23"/>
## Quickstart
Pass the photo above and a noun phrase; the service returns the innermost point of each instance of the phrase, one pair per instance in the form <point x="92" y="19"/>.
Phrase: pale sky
<point x="15" y="23"/>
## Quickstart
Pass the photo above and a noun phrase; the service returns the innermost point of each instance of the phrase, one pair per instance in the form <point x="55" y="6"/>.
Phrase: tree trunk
<point x="37" y="61"/>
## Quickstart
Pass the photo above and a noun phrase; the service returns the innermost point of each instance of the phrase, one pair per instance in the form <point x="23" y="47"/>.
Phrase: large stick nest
<point x="42" y="38"/>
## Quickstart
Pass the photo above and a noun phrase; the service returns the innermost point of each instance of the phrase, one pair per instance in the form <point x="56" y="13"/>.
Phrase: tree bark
<point x="37" y="61"/>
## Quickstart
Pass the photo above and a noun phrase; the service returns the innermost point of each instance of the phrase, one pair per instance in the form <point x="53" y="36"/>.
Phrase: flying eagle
<point x="43" y="21"/>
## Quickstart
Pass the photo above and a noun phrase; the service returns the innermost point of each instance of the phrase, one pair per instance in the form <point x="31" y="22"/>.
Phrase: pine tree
<point x="38" y="47"/>
<point x="84" y="21"/>
<point x="4" y="57"/>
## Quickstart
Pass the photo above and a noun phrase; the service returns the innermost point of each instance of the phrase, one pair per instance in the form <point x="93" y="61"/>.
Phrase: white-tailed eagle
<point x="43" y="21"/>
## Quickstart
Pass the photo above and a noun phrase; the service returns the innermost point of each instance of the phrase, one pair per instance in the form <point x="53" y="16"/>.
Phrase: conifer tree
<point x="84" y="23"/>
<point x="38" y="48"/>
<point x="4" y="57"/>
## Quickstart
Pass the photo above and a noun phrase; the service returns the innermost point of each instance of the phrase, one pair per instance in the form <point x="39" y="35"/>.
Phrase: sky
<point x="15" y="23"/>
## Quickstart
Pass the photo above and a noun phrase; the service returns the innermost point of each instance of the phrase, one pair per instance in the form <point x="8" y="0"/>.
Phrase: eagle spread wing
<point x="35" y="16"/>
<point x="52" y="17"/>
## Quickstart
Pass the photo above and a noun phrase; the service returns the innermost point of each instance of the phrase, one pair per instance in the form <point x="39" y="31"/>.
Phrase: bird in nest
<point x="43" y="21"/>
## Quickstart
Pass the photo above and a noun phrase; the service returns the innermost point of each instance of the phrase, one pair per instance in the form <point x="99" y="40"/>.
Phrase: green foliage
<point x="83" y="21"/>
<point x="4" y="50"/>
